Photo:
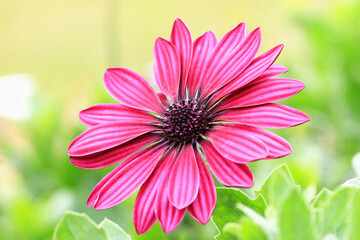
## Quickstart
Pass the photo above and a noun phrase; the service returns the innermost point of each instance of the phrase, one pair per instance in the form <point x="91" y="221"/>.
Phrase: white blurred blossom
<point x="16" y="91"/>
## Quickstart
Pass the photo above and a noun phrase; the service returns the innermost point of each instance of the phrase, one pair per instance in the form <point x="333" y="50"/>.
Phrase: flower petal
<point x="131" y="89"/>
<point x="210" y="61"/>
<point x="112" y="112"/>
<point x="169" y="216"/>
<point x="256" y="67"/>
<point x="273" y="71"/>
<point x="128" y="179"/>
<point x="144" y="208"/>
<point x="184" y="179"/>
<point x="163" y="99"/>
<point x="227" y="172"/>
<point x="114" y="155"/>
<point x="181" y="38"/>
<point x="270" y="115"/>
<point x="277" y="146"/>
<point x="222" y="71"/>
<point x="203" y="206"/>
<point x="167" y="68"/>
<point x="94" y="195"/>
<point x="104" y="136"/>
<point x="202" y="48"/>
<point x="265" y="91"/>
<point x="236" y="144"/>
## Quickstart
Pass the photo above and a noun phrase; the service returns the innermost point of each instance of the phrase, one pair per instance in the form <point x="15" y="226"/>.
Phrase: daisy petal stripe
<point x="167" y="68"/>
<point x="203" y="47"/>
<point x="184" y="179"/>
<point x="114" y="155"/>
<point x="181" y="38"/>
<point x="144" y="208"/>
<point x="124" y="85"/>
<point x="110" y="112"/>
<point x="277" y="146"/>
<point x="222" y="72"/>
<point x="229" y="173"/>
<point x="265" y="91"/>
<point x="273" y="71"/>
<point x="168" y="215"/>
<point x="270" y="115"/>
<point x="128" y="179"/>
<point x="215" y="97"/>
<point x="105" y="136"/>
<point x="256" y="68"/>
<point x="204" y="204"/>
<point x="236" y="144"/>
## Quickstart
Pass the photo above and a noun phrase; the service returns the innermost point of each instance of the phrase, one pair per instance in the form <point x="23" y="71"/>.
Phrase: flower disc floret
<point x="185" y="122"/>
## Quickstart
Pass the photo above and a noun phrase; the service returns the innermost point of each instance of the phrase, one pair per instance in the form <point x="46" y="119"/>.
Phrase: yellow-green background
<point x="67" y="45"/>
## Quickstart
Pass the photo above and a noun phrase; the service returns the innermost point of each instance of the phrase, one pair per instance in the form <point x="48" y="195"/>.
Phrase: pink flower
<point x="216" y="96"/>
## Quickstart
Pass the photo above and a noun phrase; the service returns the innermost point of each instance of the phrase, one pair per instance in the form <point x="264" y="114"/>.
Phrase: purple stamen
<point x="185" y="121"/>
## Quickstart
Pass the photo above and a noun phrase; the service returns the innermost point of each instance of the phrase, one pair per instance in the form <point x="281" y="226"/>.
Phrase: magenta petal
<point x="163" y="99"/>
<point x="167" y="68"/>
<point x="131" y="89"/>
<point x="202" y="49"/>
<point x="184" y="179"/>
<point x="203" y="206"/>
<point x="104" y="136"/>
<point x="227" y="68"/>
<point x="230" y="40"/>
<point x="273" y="71"/>
<point x="265" y="91"/>
<point x="227" y="172"/>
<point x="94" y="195"/>
<point x="111" y="112"/>
<point x="212" y="62"/>
<point x="144" y="208"/>
<point x="277" y="146"/>
<point x="169" y="216"/>
<point x="256" y="67"/>
<point x="270" y="115"/>
<point x="236" y="144"/>
<point x="128" y="179"/>
<point x="181" y="38"/>
<point x="114" y="155"/>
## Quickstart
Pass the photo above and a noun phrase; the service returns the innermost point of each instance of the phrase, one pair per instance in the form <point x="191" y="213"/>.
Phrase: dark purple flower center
<point x="185" y="122"/>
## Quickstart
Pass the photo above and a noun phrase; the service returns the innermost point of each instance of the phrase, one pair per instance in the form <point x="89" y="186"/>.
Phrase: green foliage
<point x="226" y="211"/>
<point x="75" y="226"/>
<point x="295" y="219"/>
<point x="282" y="210"/>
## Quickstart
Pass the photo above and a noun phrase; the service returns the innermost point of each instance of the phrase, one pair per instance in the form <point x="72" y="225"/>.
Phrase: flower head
<point x="215" y="99"/>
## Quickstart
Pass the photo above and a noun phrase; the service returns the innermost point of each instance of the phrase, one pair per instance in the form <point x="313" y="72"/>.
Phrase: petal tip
<point x="179" y="21"/>
<point x="98" y="206"/>
<point x="300" y="86"/>
<point x="302" y="118"/>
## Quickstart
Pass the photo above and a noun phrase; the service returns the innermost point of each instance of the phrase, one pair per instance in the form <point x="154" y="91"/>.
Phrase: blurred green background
<point x="59" y="51"/>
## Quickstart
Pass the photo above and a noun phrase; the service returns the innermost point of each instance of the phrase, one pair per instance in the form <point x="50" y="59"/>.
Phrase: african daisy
<point x="215" y="99"/>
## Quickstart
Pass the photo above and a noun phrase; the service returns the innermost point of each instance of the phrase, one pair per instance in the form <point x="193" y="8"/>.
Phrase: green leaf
<point x="320" y="199"/>
<point x="295" y="219"/>
<point x="76" y="226"/>
<point x="251" y="231"/>
<point x="226" y="211"/>
<point x="354" y="232"/>
<point x="354" y="182"/>
<point x="277" y="185"/>
<point x="113" y="231"/>
<point x="232" y="229"/>
<point x="335" y="211"/>
<point x="267" y="227"/>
